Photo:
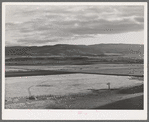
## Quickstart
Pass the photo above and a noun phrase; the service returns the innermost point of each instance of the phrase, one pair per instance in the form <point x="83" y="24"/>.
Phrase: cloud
<point x="105" y="27"/>
<point x="43" y="24"/>
<point x="139" y="19"/>
<point x="31" y="42"/>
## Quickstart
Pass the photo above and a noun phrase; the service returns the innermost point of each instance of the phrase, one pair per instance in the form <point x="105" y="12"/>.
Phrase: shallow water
<point x="63" y="84"/>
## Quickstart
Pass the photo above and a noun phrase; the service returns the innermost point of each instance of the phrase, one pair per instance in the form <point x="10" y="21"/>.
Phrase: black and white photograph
<point x="74" y="57"/>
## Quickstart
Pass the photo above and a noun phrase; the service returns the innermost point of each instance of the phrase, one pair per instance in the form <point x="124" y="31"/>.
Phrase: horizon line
<point x="76" y="44"/>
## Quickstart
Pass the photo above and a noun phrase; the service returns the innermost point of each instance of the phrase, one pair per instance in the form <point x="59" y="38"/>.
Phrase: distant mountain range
<point x="77" y="50"/>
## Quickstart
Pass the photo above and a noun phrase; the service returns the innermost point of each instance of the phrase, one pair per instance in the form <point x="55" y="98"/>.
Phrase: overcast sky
<point x="48" y="25"/>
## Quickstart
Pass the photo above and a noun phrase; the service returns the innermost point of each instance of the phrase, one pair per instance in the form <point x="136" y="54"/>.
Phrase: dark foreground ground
<point x="131" y="103"/>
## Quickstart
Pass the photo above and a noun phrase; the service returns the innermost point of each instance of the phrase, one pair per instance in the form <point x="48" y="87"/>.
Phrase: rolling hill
<point x="77" y="50"/>
<point x="63" y="54"/>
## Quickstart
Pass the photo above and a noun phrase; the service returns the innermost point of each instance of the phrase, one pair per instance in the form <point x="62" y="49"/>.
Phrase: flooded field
<point x="65" y="84"/>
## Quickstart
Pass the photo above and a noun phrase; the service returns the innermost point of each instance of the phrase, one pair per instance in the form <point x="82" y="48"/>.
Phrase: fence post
<point x="108" y="85"/>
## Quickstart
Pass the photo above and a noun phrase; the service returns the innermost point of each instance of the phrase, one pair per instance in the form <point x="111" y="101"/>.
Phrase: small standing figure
<point x="108" y="85"/>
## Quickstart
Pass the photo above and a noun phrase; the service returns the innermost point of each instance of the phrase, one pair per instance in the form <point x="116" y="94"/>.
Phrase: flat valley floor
<point x="74" y="86"/>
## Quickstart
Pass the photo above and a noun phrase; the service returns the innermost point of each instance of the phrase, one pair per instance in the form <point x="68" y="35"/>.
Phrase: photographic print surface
<point x="74" y="57"/>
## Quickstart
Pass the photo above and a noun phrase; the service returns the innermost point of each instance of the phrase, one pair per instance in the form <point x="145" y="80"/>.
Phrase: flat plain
<point x="71" y="86"/>
<point x="74" y="77"/>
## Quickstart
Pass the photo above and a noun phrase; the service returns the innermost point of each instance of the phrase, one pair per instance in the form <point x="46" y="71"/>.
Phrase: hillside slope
<point x="77" y="50"/>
